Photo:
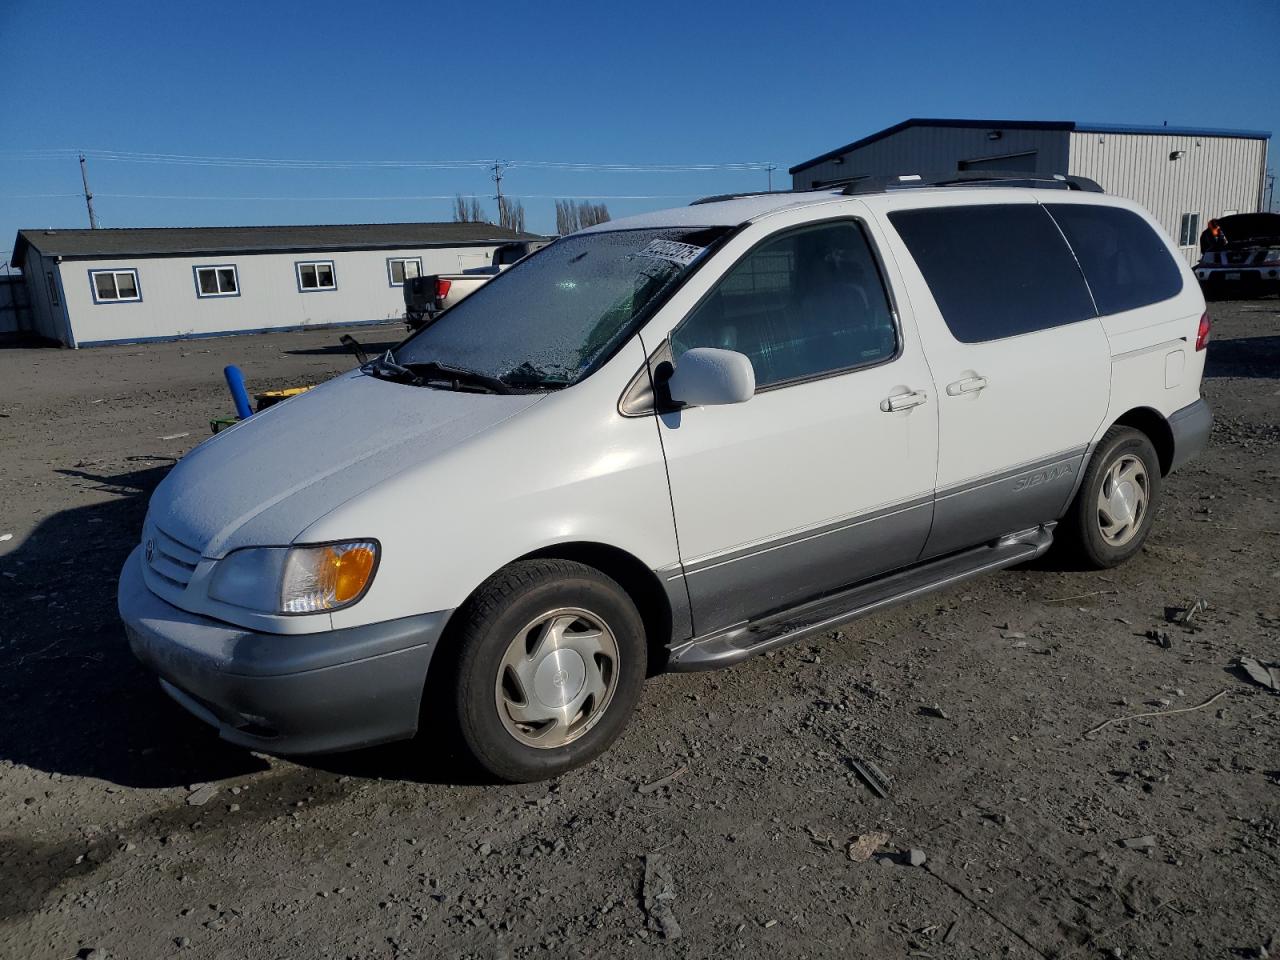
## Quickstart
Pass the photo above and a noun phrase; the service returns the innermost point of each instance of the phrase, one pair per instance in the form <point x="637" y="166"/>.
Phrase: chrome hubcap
<point x="1123" y="500"/>
<point x="557" y="678"/>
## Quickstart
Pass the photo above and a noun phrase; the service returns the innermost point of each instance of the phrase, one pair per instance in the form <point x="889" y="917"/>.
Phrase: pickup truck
<point x="427" y="297"/>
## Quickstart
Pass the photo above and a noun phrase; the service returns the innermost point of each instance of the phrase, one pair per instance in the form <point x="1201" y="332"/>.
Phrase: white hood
<point x="267" y="479"/>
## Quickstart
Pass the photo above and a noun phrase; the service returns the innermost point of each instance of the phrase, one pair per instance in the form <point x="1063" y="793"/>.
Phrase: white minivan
<point x="672" y="442"/>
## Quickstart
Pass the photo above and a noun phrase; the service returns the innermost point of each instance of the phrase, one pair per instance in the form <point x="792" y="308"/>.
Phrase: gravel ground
<point x="721" y="823"/>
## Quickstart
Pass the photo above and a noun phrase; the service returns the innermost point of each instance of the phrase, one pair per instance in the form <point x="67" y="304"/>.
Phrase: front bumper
<point x="288" y="694"/>
<point x="1190" y="427"/>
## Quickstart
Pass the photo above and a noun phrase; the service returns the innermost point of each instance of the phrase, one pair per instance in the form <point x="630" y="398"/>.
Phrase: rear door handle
<point x="967" y="385"/>
<point x="903" y="401"/>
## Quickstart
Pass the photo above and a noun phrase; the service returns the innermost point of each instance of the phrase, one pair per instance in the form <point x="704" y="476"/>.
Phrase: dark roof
<point x="198" y="241"/>
<point x="1067" y="125"/>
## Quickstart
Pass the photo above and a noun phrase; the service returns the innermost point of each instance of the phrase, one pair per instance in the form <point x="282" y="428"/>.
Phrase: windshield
<point x="549" y="320"/>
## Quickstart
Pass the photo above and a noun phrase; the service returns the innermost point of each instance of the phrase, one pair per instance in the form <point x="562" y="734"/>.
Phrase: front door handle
<point x="967" y="385"/>
<point x="903" y="401"/>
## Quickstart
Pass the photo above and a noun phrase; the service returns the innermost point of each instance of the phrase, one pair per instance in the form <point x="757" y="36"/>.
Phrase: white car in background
<point x="673" y="442"/>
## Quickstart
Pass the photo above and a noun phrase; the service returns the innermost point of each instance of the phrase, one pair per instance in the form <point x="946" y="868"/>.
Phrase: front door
<point x="1022" y="364"/>
<point x="826" y="475"/>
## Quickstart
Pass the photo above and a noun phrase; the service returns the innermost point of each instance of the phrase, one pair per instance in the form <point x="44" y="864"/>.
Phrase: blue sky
<point x="599" y="83"/>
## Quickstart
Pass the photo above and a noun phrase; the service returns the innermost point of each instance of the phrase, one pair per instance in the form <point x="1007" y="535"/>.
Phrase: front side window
<point x="801" y="305"/>
<point x="551" y="320"/>
<point x="401" y="268"/>
<point x="1189" y="230"/>
<point x="1125" y="263"/>
<point x="115" y="286"/>
<point x="995" y="271"/>
<point x="220" y="281"/>
<point x="316" y="275"/>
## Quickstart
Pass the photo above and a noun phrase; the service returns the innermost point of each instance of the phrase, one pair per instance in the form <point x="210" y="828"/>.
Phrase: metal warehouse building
<point x="1184" y="175"/>
<point x="89" y="287"/>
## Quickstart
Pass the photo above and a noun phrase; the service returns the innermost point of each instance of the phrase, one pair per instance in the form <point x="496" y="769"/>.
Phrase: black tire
<point x="498" y="611"/>
<point x="1081" y="530"/>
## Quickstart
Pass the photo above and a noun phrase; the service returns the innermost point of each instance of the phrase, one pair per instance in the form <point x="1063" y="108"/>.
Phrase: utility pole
<point x="497" y="179"/>
<point x="88" y="194"/>
<point x="769" y="169"/>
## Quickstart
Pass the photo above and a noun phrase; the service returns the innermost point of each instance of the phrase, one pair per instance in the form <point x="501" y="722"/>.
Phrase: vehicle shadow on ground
<point x="1252" y="357"/>
<point x="75" y="702"/>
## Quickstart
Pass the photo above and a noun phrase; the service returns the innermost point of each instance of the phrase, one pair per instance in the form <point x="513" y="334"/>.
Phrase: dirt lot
<point x="393" y="853"/>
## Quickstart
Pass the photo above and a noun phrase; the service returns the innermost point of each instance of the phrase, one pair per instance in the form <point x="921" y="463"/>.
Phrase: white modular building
<point x="1185" y="176"/>
<point x="90" y="287"/>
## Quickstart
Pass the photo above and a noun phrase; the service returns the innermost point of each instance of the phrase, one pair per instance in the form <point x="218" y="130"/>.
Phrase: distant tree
<point x="511" y="214"/>
<point x="468" y="210"/>
<point x="574" y="215"/>
<point x="566" y="217"/>
<point x="592" y="213"/>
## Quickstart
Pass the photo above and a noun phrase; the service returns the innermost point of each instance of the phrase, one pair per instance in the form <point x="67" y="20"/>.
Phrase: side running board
<point x="744" y="640"/>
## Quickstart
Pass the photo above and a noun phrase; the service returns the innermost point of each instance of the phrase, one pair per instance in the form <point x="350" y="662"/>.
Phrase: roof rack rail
<point x="718" y="197"/>
<point x="972" y="178"/>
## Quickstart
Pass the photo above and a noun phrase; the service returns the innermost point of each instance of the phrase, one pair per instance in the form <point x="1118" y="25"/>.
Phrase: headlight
<point x="310" y="579"/>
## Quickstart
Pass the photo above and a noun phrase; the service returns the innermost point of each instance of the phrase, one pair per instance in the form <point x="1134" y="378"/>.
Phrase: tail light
<point x="1202" y="335"/>
<point x="442" y="288"/>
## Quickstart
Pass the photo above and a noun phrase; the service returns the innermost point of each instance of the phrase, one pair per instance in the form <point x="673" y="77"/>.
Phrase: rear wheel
<point x="550" y="664"/>
<point x="1111" y="515"/>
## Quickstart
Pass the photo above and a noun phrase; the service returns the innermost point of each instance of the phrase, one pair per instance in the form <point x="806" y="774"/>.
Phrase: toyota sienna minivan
<point x="672" y="442"/>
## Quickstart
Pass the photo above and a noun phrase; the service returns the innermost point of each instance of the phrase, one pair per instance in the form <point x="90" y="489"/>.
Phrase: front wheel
<point x="1111" y="515"/>
<point x="551" y="660"/>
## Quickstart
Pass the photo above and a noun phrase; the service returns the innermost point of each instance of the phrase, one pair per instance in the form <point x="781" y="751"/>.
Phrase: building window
<point x="53" y="288"/>
<point x="115" y="286"/>
<point x="400" y="269"/>
<point x="218" y="281"/>
<point x="316" y="275"/>
<point x="1189" y="231"/>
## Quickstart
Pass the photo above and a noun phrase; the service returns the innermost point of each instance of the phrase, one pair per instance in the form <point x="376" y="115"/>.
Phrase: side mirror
<point x="708" y="377"/>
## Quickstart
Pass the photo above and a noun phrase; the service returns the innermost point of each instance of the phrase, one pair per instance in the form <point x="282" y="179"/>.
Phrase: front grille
<point x="170" y="558"/>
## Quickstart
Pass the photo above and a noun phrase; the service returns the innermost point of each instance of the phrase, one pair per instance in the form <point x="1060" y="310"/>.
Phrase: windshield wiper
<point x="384" y="366"/>
<point x="432" y="371"/>
<point x="529" y="375"/>
<point x="428" y="372"/>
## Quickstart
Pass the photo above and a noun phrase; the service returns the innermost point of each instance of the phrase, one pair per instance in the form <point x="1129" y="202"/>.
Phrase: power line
<point x="427" y="196"/>
<point x="125" y="156"/>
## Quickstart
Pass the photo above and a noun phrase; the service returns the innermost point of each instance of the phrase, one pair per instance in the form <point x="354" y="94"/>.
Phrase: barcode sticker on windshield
<point x="673" y="250"/>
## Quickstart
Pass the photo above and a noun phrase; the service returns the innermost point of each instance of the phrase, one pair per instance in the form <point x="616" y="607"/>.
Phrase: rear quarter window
<point x="996" y="270"/>
<point x="1125" y="262"/>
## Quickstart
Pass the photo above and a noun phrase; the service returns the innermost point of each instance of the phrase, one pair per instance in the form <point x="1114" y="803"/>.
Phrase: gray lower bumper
<point x="1190" y="427"/>
<point x="290" y="694"/>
